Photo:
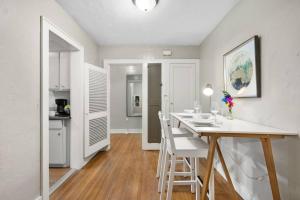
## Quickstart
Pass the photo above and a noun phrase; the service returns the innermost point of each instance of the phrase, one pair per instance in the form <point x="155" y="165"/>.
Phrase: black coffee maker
<point x="61" y="103"/>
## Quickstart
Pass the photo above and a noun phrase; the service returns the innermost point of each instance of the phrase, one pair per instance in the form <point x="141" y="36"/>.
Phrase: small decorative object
<point x="242" y="69"/>
<point x="228" y="100"/>
<point x="67" y="109"/>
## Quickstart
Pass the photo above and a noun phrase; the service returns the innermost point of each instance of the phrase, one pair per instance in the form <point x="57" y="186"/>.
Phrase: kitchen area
<point x="59" y="109"/>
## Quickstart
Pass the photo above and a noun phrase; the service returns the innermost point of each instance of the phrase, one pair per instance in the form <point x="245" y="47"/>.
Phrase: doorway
<point x="61" y="107"/>
<point x="167" y="73"/>
<point x="126" y="98"/>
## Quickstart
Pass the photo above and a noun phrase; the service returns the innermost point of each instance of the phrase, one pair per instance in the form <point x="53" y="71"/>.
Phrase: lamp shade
<point x="145" y="5"/>
<point x="208" y="91"/>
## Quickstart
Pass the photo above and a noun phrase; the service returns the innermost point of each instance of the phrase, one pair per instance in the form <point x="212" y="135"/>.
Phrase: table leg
<point x="267" y="148"/>
<point x="211" y="185"/>
<point x="210" y="160"/>
<point x="235" y="197"/>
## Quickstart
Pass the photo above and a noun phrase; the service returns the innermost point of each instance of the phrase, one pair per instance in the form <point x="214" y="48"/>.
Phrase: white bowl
<point x="202" y="116"/>
<point x="188" y="111"/>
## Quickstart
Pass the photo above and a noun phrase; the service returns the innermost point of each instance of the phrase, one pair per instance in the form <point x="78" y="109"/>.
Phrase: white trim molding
<point x="39" y="198"/>
<point x="125" y="131"/>
<point x="62" y="180"/>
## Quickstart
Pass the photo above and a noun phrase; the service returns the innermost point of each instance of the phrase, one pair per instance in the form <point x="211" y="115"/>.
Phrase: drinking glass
<point x="197" y="106"/>
<point x="214" y="109"/>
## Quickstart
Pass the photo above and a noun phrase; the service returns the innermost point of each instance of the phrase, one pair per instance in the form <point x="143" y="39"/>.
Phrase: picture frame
<point x="242" y="69"/>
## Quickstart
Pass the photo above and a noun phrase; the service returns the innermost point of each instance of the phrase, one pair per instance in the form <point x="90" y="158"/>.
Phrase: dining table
<point x="233" y="128"/>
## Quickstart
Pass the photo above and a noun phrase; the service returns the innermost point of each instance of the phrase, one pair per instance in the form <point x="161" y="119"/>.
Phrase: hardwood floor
<point x="56" y="173"/>
<point x="125" y="173"/>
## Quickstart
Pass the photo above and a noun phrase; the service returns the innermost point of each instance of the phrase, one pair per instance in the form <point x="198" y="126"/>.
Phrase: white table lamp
<point x="208" y="91"/>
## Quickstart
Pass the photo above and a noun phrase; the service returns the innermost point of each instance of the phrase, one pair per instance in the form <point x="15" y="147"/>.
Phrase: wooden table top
<point x="231" y="128"/>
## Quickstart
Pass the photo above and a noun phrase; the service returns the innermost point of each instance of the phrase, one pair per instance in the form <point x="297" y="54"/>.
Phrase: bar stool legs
<point x="196" y="179"/>
<point x="160" y="157"/>
<point x="169" y="172"/>
<point x="171" y="177"/>
<point x="164" y="174"/>
<point x="164" y="157"/>
<point x="192" y="162"/>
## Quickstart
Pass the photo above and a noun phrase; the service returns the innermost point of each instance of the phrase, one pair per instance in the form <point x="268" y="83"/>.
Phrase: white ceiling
<point x="172" y="22"/>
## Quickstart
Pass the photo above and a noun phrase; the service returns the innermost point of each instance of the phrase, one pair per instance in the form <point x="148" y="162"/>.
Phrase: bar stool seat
<point x="189" y="147"/>
<point x="181" y="132"/>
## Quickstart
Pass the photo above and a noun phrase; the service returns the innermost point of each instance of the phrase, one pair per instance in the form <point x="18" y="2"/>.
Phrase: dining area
<point x="191" y="135"/>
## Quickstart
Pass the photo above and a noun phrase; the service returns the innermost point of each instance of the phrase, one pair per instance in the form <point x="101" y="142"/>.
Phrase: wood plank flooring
<point x="56" y="173"/>
<point x="125" y="172"/>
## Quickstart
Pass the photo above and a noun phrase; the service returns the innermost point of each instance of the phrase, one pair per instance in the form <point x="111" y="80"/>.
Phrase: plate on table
<point x="206" y="123"/>
<point x="203" y="119"/>
<point x="186" y="115"/>
<point x="188" y="111"/>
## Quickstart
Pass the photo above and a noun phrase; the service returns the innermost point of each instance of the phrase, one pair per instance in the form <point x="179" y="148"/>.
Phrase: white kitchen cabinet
<point x="59" y="71"/>
<point x="64" y="71"/>
<point x="58" y="146"/>
<point x="54" y="70"/>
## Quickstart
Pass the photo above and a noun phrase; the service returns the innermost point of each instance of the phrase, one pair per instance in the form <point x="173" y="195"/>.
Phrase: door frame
<point x="76" y="150"/>
<point x="165" y="74"/>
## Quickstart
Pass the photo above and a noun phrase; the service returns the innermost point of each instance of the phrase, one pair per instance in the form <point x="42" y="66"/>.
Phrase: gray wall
<point x="118" y="115"/>
<point x="20" y="90"/>
<point x="277" y="23"/>
<point x="143" y="52"/>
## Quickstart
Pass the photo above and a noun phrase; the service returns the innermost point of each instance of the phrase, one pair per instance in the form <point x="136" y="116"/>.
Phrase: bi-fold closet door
<point x="97" y="134"/>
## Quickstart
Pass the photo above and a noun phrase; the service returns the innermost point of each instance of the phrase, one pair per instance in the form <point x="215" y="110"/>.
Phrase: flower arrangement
<point x="228" y="100"/>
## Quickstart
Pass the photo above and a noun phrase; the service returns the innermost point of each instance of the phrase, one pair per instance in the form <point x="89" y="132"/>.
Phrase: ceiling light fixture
<point x="145" y="5"/>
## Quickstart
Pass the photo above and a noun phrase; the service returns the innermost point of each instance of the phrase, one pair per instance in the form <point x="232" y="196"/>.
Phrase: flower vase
<point x="230" y="115"/>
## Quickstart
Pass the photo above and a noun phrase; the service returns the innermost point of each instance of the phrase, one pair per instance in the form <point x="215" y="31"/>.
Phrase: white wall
<point x="118" y="108"/>
<point x="146" y="52"/>
<point x="277" y="23"/>
<point x="20" y="90"/>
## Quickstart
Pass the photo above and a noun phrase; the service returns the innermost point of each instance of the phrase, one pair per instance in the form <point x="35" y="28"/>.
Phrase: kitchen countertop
<point x="59" y="117"/>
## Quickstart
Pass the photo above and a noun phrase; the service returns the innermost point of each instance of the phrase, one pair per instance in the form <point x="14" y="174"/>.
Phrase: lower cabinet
<point x="58" y="146"/>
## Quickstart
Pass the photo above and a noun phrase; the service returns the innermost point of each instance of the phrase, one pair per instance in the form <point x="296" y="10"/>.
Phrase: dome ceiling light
<point x="145" y="5"/>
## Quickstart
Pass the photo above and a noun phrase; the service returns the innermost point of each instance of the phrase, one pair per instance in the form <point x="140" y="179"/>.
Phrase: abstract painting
<point x="242" y="69"/>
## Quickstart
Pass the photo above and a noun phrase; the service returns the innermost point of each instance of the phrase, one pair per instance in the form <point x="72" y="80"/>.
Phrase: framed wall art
<point x="242" y="69"/>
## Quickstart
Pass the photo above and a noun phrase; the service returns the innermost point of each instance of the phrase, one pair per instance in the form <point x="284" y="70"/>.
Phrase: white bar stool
<point x="191" y="147"/>
<point x="177" y="132"/>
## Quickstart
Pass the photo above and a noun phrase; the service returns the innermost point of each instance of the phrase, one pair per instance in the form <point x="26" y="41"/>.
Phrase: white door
<point x="96" y="109"/>
<point x="182" y="86"/>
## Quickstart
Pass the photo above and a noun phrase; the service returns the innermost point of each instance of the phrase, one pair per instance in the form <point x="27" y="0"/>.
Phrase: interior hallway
<point x="125" y="173"/>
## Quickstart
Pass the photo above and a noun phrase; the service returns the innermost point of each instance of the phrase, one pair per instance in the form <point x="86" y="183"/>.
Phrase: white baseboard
<point x="61" y="181"/>
<point x="151" y="146"/>
<point x="39" y="198"/>
<point x="125" y="131"/>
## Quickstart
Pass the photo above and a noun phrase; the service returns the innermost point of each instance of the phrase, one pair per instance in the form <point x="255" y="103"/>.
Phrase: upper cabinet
<point x="64" y="71"/>
<point x="54" y="71"/>
<point x="59" y="71"/>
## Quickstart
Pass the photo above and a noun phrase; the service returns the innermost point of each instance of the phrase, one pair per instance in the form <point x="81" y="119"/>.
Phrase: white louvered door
<point x="96" y="109"/>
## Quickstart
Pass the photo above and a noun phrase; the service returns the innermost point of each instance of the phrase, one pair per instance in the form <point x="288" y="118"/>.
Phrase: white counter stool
<point x="191" y="147"/>
<point x="177" y="132"/>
